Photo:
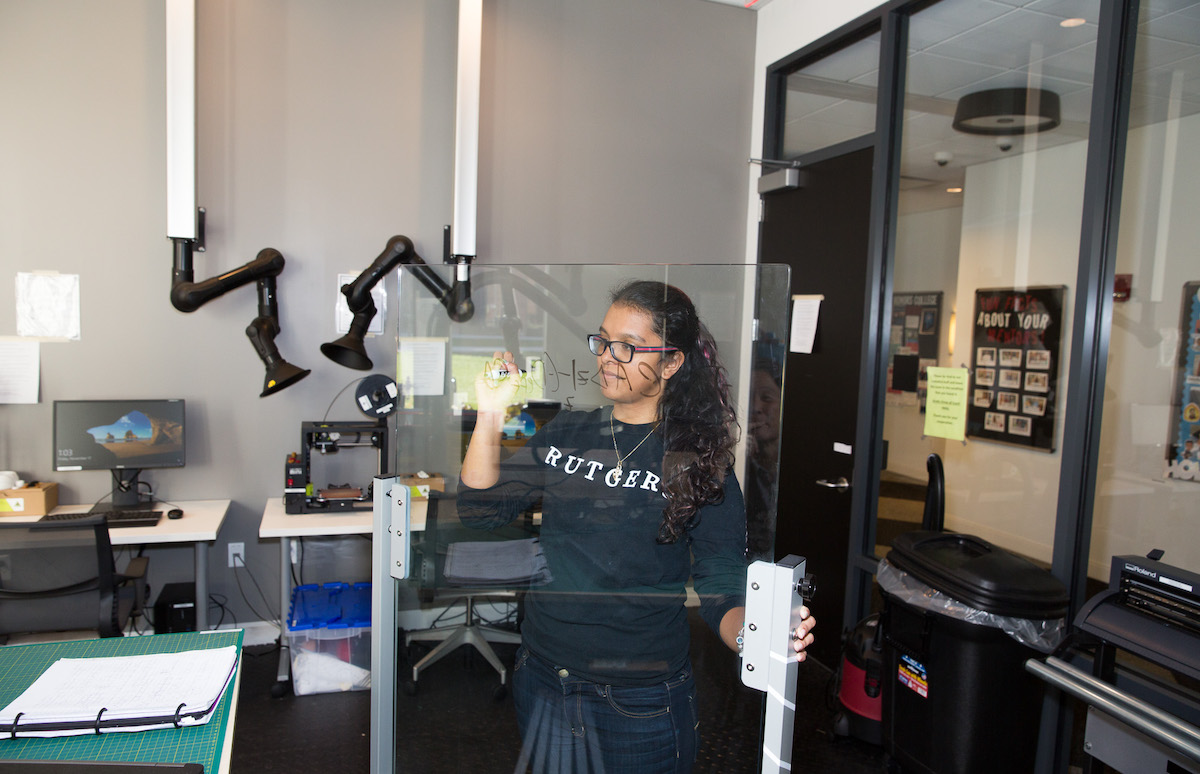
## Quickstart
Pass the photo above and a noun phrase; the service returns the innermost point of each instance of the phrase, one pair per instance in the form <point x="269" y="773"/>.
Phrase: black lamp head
<point x="281" y="374"/>
<point x="1014" y="111"/>
<point x="348" y="351"/>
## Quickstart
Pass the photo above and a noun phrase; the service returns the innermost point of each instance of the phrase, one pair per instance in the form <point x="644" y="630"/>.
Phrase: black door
<point x="821" y="231"/>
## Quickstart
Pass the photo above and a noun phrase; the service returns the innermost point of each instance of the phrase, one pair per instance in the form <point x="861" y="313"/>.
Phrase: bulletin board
<point x="1015" y="354"/>
<point x="1183" y="447"/>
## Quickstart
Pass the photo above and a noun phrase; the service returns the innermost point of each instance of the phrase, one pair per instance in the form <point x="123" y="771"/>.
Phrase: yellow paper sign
<point x="946" y="403"/>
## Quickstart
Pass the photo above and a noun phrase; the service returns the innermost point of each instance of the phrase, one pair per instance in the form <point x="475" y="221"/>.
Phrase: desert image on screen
<point x="137" y="436"/>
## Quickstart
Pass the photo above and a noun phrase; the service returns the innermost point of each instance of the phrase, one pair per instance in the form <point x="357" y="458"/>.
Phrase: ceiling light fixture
<point x="1076" y="22"/>
<point x="1008" y="112"/>
<point x="953" y="190"/>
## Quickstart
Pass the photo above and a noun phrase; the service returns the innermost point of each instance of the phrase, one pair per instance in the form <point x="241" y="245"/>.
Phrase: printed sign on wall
<point x="1015" y="365"/>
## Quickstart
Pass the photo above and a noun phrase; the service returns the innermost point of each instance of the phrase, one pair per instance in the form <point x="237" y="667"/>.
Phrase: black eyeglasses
<point x="621" y="351"/>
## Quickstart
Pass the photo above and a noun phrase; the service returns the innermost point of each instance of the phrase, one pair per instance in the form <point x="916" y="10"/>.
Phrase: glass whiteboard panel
<point x="543" y="315"/>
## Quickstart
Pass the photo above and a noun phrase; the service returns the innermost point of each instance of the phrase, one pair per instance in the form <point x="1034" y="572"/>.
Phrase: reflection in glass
<point x="832" y="100"/>
<point x="992" y="206"/>
<point x="1147" y="494"/>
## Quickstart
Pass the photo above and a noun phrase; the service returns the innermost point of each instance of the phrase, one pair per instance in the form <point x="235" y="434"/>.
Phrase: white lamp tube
<point x="181" y="119"/>
<point x="466" y="131"/>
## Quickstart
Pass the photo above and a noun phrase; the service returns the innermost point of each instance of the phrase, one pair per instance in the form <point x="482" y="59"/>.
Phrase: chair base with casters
<point x="470" y="569"/>
<point x="449" y="638"/>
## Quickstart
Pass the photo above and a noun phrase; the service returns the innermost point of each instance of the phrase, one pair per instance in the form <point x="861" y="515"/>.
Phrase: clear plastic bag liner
<point x="1042" y="635"/>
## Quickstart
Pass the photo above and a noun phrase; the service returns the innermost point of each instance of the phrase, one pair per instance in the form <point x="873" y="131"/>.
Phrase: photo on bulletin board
<point x="1016" y="347"/>
<point x="913" y="347"/>
<point x="1183" y="447"/>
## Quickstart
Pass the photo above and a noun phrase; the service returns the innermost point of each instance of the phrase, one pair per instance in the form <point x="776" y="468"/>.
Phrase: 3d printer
<point x="303" y="494"/>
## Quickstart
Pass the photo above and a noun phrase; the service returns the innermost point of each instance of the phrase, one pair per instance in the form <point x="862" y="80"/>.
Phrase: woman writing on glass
<point x="635" y="498"/>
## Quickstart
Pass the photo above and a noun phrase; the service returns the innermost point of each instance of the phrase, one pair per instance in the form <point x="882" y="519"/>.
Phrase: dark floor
<point x="453" y="724"/>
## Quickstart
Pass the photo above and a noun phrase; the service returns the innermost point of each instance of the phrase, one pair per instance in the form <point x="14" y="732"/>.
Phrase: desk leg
<point x="201" y="586"/>
<point x="285" y="598"/>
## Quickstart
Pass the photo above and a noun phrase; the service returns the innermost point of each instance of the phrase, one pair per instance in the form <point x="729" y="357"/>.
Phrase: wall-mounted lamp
<point x="1008" y="112"/>
<point x="188" y="296"/>
<point x="350" y="350"/>
<point x="185" y="222"/>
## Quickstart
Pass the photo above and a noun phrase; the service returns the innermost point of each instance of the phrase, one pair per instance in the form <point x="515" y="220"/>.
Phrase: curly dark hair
<point x="698" y="423"/>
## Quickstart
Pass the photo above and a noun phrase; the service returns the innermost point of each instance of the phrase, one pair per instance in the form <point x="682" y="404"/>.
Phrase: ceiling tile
<point x="935" y="76"/>
<point x="944" y="21"/>
<point x="1014" y="40"/>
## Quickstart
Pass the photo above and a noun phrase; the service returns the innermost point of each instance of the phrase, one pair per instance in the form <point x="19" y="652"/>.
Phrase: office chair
<point x="437" y="588"/>
<point x="63" y="577"/>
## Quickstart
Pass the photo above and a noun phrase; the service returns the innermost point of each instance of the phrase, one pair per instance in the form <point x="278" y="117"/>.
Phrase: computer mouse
<point x="174" y="513"/>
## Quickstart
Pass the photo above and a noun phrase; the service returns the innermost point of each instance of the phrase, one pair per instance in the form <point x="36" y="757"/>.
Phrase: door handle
<point x="841" y="484"/>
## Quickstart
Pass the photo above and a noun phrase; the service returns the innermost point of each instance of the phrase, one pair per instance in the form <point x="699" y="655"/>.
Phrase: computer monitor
<point x="124" y="436"/>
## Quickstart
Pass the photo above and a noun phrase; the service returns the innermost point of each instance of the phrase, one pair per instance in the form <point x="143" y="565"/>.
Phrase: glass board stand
<point x="389" y="564"/>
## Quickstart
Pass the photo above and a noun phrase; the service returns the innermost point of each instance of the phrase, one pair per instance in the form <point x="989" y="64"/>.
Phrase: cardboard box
<point x="420" y="486"/>
<point x="36" y="500"/>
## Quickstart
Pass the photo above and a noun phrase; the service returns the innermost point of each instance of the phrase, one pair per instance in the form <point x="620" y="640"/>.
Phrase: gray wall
<point x="612" y="131"/>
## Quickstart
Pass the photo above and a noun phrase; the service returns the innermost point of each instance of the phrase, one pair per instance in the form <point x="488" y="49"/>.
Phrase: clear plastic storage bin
<point x="329" y="636"/>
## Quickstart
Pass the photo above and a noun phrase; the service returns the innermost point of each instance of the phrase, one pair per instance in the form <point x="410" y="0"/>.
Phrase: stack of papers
<point x="497" y="563"/>
<point x="121" y="693"/>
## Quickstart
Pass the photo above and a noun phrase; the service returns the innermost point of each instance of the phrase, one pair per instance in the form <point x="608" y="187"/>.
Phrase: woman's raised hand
<point x="497" y="385"/>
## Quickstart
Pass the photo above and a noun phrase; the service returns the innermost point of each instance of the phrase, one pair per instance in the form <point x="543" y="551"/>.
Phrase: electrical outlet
<point x="237" y="554"/>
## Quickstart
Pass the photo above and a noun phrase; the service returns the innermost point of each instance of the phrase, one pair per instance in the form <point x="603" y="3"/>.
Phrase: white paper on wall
<point x="806" y="310"/>
<point x="343" y="315"/>
<point x="19" y="370"/>
<point x="48" y="305"/>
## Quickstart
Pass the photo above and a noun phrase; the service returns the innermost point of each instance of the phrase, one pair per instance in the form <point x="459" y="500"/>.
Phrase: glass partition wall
<point x="994" y="144"/>
<point x="1148" y="493"/>
<point x="594" y="576"/>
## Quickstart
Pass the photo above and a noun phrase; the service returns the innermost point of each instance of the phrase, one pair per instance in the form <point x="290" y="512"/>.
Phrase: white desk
<point x="199" y="525"/>
<point x="278" y="523"/>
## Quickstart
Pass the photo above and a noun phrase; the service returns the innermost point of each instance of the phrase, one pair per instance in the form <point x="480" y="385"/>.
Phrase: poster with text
<point x="1015" y="353"/>
<point x="1183" y="447"/>
<point x="913" y="346"/>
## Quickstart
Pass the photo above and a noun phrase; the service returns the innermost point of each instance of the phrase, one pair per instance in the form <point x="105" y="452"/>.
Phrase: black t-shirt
<point x="614" y="611"/>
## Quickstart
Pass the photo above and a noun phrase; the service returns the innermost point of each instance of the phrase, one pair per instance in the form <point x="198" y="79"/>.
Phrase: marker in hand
<point x="501" y="373"/>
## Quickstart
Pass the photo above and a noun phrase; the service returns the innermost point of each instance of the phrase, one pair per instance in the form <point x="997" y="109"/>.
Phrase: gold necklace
<point x="621" y="460"/>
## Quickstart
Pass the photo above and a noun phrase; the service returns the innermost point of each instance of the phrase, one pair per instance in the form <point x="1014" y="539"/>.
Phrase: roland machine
<point x="1142" y="690"/>
<point x="1150" y="609"/>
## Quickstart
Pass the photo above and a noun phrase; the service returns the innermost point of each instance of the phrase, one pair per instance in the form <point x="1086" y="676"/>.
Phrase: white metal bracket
<point x="774" y="595"/>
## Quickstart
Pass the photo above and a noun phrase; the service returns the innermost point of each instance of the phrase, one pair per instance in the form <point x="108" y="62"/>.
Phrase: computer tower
<point x="175" y="610"/>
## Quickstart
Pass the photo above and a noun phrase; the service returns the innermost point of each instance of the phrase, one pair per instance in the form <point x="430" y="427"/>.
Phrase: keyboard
<point x="114" y="518"/>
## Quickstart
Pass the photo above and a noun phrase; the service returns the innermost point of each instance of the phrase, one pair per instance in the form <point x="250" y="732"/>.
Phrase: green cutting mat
<point x="20" y="665"/>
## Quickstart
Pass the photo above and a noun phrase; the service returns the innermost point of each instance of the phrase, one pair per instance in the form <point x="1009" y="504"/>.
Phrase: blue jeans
<point x="576" y="726"/>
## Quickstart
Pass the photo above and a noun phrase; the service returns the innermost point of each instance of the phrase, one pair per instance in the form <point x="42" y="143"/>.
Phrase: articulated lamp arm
<point x="349" y="350"/>
<point x="188" y="296"/>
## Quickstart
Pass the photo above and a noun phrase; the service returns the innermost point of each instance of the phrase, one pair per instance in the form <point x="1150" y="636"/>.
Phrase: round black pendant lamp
<point x="999" y="112"/>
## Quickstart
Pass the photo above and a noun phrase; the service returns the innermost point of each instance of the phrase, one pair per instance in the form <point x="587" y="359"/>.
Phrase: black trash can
<point x="960" y="618"/>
